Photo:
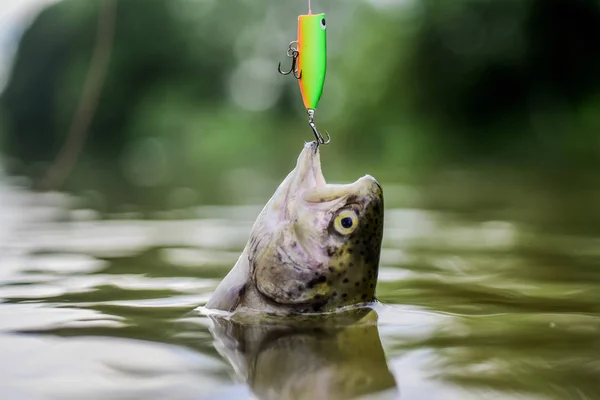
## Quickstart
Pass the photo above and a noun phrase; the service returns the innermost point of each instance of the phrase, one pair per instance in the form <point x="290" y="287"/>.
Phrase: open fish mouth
<point x="308" y="172"/>
<point x="308" y="183"/>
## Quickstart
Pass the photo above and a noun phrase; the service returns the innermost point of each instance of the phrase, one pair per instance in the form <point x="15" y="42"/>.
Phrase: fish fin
<point x="228" y="294"/>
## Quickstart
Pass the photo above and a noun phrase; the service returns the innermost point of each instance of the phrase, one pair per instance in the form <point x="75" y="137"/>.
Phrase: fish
<point x="314" y="247"/>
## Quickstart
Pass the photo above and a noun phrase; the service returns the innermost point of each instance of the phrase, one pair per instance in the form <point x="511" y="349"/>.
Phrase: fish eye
<point x="323" y="24"/>
<point x="346" y="222"/>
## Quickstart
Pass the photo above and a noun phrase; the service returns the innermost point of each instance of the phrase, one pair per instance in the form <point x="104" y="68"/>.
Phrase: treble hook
<point x="311" y="123"/>
<point x="293" y="54"/>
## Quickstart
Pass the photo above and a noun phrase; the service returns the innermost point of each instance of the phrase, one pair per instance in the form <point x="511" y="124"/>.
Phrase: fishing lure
<point x="309" y="64"/>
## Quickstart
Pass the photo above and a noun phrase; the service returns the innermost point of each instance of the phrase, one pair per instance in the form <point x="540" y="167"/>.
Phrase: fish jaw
<point x="366" y="186"/>
<point x="306" y="175"/>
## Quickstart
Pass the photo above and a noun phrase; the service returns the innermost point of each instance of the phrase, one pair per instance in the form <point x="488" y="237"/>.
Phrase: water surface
<point x="488" y="290"/>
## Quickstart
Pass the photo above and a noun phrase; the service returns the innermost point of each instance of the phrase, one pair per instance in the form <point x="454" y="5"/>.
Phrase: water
<point x="488" y="290"/>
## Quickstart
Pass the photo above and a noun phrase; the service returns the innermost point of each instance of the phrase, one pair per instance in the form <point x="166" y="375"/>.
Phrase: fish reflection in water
<point x="329" y="357"/>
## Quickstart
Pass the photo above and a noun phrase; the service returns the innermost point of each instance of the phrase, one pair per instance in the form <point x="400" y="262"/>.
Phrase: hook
<point x="293" y="53"/>
<point x="293" y="68"/>
<point x="318" y="135"/>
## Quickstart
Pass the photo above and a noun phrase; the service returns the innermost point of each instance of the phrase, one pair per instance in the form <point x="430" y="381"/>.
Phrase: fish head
<point x="316" y="246"/>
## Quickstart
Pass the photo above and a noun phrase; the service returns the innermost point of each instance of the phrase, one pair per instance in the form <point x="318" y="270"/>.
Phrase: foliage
<point x="193" y="99"/>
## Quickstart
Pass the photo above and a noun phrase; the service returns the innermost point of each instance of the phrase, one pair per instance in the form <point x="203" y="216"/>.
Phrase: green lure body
<point x="312" y="58"/>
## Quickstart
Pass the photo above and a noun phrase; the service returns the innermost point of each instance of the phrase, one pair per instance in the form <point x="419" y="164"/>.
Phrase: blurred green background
<point x="192" y="109"/>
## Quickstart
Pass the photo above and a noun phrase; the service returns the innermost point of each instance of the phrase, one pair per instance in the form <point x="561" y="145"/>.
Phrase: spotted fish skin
<point x="354" y="264"/>
<point x="315" y="247"/>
